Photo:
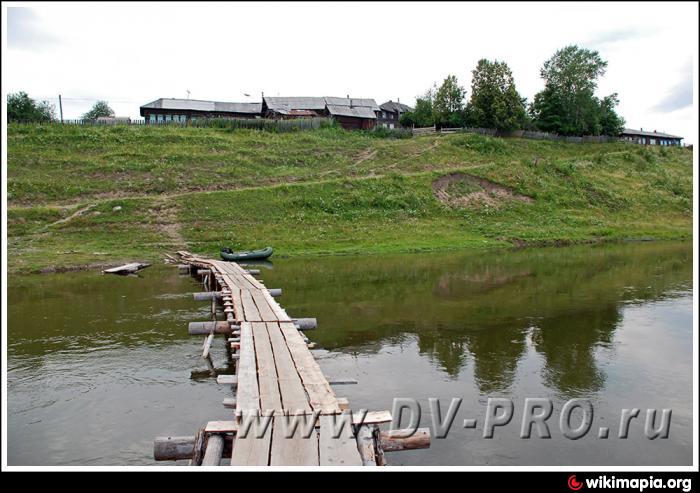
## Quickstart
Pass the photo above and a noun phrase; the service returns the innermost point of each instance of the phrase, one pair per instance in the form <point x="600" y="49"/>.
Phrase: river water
<point x="100" y="365"/>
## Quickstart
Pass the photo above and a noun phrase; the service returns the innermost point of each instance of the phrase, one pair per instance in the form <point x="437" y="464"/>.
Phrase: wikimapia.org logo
<point x="573" y="484"/>
<point x="639" y="484"/>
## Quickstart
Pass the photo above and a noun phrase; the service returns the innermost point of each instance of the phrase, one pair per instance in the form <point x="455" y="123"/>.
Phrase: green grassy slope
<point x="95" y="195"/>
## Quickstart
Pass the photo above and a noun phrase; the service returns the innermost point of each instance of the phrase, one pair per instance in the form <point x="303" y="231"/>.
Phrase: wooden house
<point x="650" y="138"/>
<point x="390" y="113"/>
<point x="166" y="110"/>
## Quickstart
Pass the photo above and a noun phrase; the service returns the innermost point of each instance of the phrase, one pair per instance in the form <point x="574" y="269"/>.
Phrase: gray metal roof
<point x="632" y="131"/>
<point x="284" y="105"/>
<point x="356" y="111"/>
<point x="362" y="102"/>
<point x="395" y="107"/>
<point x="199" y="105"/>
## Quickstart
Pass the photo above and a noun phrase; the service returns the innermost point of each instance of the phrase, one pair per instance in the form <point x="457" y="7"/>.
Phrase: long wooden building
<point x="166" y="110"/>
<point x="645" y="137"/>
<point x="350" y="113"/>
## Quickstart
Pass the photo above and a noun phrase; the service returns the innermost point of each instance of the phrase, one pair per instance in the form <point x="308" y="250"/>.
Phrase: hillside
<point x="95" y="195"/>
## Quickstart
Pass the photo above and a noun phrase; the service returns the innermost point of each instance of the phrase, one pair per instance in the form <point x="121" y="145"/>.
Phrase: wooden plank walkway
<point x="277" y="374"/>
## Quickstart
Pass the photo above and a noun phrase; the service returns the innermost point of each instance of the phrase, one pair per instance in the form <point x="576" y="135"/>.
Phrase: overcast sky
<point x="130" y="54"/>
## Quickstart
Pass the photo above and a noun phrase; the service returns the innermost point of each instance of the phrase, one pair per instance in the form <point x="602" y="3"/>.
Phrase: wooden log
<point x="207" y="345"/>
<point x="253" y="272"/>
<point x="371" y="418"/>
<point x="229" y="403"/>
<point x="125" y="269"/>
<point x="206" y="328"/>
<point x="214" y="450"/>
<point x="203" y="272"/>
<point x="365" y="445"/>
<point x="305" y="323"/>
<point x="173" y="448"/>
<point x="275" y="292"/>
<point x="221" y="427"/>
<point x="227" y="379"/>
<point x="343" y="381"/>
<point x="395" y="440"/>
<point x="179" y="448"/>
<point x="198" y="451"/>
<point x="206" y="295"/>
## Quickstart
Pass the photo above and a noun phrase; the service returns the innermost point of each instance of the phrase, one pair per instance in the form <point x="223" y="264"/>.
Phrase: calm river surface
<point x="104" y="364"/>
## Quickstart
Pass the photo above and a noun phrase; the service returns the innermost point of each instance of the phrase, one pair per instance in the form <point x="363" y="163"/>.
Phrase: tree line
<point x="566" y="106"/>
<point x="22" y="108"/>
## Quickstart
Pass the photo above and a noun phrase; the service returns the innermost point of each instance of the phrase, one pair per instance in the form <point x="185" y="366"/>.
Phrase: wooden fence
<point x="524" y="134"/>
<point x="227" y="123"/>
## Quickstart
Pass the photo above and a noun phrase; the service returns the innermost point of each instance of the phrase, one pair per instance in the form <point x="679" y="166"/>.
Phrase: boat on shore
<point x="231" y="256"/>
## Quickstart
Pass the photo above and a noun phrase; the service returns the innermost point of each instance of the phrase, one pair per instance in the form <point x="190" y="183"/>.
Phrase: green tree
<point x="610" y="122"/>
<point x="448" y="105"/>
<point x="20" y="107"/>
<point x="423" y="115"/>
<point x="100" y="108"/>
<point x="568" y="105"/>
<point x="495" y="102"/>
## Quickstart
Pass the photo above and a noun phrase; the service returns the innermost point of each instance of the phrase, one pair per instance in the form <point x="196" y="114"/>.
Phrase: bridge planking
<point x="276" y="371"/>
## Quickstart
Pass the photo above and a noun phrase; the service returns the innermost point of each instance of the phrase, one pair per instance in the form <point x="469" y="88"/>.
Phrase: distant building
<point x="649" y="138"/>
<point x="350" y="113"/>
<point x="113" y="120"/>
<point x="165" y="110"/>
<point x="390" y="113"/>
<point x="353" y="113"/>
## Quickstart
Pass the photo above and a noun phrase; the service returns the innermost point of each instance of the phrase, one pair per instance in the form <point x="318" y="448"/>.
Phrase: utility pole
<point x="60" y="107"/>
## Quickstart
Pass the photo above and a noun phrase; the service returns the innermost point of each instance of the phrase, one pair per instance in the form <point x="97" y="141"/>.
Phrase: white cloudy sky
<point x="129" y="54"/>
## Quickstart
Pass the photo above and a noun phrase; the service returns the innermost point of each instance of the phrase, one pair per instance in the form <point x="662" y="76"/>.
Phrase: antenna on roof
<point x="188" y="94"/>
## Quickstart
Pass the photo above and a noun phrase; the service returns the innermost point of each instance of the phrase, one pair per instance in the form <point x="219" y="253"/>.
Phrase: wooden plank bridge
<point x="276" y="381"/>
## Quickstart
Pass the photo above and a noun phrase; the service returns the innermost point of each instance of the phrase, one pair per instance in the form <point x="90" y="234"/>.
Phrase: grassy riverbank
<point x="96" y="195"/>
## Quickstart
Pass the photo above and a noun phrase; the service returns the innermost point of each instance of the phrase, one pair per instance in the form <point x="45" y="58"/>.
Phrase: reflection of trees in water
<point x="568" y="343"/>
<point x="495" y="352"/>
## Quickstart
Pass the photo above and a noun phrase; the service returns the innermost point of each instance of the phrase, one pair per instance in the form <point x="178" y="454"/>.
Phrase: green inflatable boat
<point x="231" y="256"/>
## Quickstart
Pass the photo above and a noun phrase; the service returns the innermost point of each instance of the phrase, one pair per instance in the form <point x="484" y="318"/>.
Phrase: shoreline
<point x="562" y="243"/>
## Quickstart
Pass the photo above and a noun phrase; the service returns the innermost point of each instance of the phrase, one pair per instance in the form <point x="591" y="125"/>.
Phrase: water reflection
<point x="484" y="307"/>
<point x="109" y="358"/>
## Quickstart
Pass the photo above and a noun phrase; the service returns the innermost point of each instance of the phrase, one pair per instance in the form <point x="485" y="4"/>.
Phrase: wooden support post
<point x="365" y="445"/>
<point x="214" y="450"/>
<point x="343" y="381"/>
<point x="305" y="323"/>
<point x="395" y="440"/>
<point x="227" y="380"/>
<point x="207" y="345"/>
<point x="179" y="448"/>
<point x="205" y="328"/>
<point x="173" y="448"/>
<point x="206" y="295"/>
